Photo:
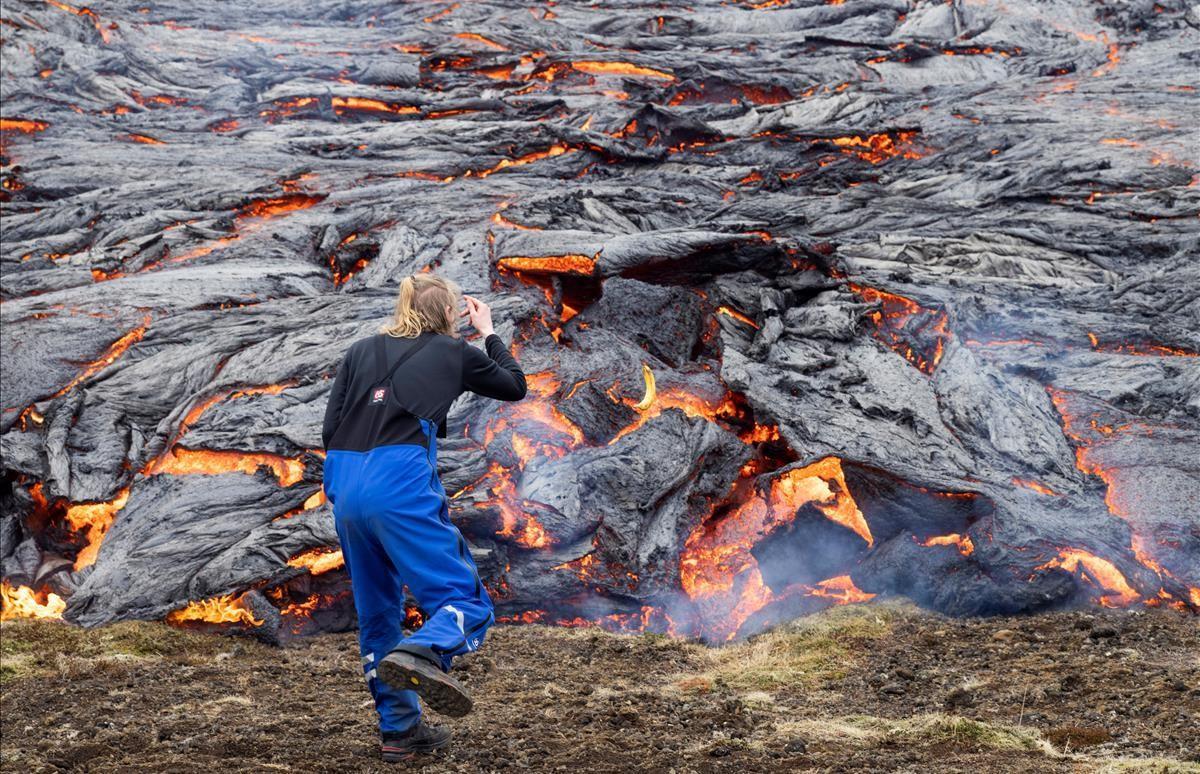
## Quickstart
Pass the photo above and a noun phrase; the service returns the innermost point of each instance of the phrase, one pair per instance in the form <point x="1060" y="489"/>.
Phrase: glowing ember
<point x="224" y="609"/>
<point x="318" y="560"/>
<point x="516" y="524"/>
<point x="251" y="218"/>
<point x="590" y="569"/>
<point x="654" y="401"/>
<point x="343" y="104"/>
<point x="557" y="149"/>
<point x="24" y="602"/>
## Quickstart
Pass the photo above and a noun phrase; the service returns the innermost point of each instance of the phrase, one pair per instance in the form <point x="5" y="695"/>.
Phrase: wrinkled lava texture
<point x="818" y="301"/>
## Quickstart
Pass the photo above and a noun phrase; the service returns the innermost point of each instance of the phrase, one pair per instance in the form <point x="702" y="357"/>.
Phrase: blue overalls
<point x="394" y="525"/>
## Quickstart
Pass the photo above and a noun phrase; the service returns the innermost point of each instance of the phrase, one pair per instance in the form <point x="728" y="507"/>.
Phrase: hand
<point x="479" y="315"/>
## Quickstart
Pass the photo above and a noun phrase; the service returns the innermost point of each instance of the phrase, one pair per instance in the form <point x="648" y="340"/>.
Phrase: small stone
<point x="893" y="689"/>
<point x="797" y="746"/>
<point x="905" y="674"/>
<point x="1103" y="631"/>
<point x="720" y="751"/>
<point x="1003" y="634"/>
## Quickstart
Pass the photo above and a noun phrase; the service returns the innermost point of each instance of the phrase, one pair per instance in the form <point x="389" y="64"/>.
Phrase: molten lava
<point x="550" y="264"/>
<point x="1098" y="572"/>
<point x="318" y="560"/>
<point x="917" y="333"/>
<point x="180" y="461"/>
<point x="717" y="569"/>
<point x="24" y="602"/>
<point x="963" y="542"/>
<point x="94" y="519"/>
<point x="223" y="609"/>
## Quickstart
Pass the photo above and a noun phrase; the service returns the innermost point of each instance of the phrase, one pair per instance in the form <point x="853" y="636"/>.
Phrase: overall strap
<point x="381" y="355"/>
<point x="381" y="364"/>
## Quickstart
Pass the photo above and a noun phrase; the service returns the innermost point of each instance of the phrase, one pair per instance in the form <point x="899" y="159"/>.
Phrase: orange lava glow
<point x="517" y="525"/>
<point x="1035" y="486"/>
<point x="620" y="68"/>
<point x="318" y="560"/>
<point x="1145" y="350"/>
<point x="115" y="350"/>
<point x="343" y="104"/>
<point x="550" y="264"/>
<point x="250" y="218"/>
<point x="223" y="609"/>
<point x="589" y="569"/>
<point x="1098" y="572"/>
<point x="963" y="542"/>
<point x="145" y="139"/>
<point x="876" y="148"/>
<point x="557" y="149"/>
<point x="94" y="519"/>
<point x="735" y="314"/>
<point x="654" y="401"/>
<point x="716" y="567"/>
<point x="180" y="461"/>
<point x="841" y="589"/>
<point x="899" y="318"/>
<point x="22" y="125"/>
<point x="24" y="602"/>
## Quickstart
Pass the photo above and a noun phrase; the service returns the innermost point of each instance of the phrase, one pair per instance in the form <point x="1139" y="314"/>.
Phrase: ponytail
<point x="421" y="306"/>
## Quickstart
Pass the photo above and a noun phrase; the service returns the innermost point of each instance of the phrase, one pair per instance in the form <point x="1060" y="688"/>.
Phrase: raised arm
<point x="494" y="374"/>
<point x="337" y="396"/>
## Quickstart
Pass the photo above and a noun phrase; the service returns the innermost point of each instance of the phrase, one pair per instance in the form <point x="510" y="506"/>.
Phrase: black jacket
<point x="425" y="385"/>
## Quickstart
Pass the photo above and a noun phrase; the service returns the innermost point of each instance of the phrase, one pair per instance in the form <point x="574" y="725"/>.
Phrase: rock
<point x="1004" y="635"/>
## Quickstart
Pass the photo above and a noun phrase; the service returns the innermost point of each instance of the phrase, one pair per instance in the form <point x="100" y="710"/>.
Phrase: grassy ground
<point x="876" y="687"/>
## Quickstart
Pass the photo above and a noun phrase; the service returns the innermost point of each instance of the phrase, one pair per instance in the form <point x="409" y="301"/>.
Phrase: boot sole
<point x="440" y="691"/>
<point x="400" y="755"/>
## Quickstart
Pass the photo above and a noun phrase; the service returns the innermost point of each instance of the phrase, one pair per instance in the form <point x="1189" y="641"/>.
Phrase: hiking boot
<point x="407" y="671"/>
<point x="406" y="745"/>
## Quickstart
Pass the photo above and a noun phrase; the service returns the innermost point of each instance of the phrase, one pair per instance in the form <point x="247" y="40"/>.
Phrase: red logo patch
<point x="379" y="395"/>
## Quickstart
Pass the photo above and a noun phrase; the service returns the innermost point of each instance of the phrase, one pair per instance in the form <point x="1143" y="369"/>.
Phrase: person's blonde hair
<point x="421" y="306"/>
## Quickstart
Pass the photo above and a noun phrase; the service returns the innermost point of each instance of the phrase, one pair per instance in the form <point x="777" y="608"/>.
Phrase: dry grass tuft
<point x="805" y="653"/>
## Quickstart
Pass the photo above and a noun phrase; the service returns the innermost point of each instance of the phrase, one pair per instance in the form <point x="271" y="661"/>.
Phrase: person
<point x="387" y="406"/>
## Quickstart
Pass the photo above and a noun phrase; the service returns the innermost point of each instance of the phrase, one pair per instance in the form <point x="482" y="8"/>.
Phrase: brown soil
<point x="871" y="688"/>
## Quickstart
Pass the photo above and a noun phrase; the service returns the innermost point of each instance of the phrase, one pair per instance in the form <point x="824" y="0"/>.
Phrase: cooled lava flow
<point x="1157" y="539"/>
<point x="770" y="314"/>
